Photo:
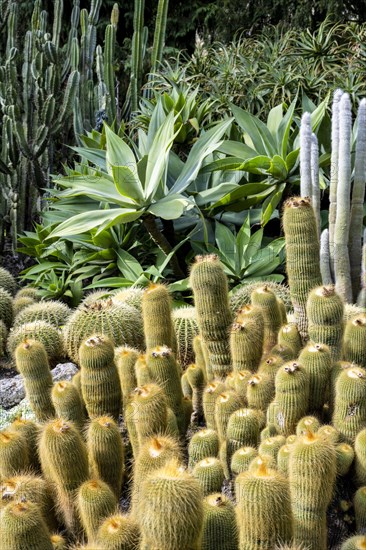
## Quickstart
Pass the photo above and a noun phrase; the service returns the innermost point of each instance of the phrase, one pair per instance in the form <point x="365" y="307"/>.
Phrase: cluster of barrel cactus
<point x="243" y="448"/>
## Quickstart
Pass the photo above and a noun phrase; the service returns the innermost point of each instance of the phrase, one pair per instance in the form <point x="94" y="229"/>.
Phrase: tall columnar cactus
<point x="186" y="329"/>
<point x="95" y="501"/>
<point x="260" y="391"/>
<point x="126" y="358"/>
<point x="358" y="197"/>
<point x="288" y="335"/>
<point x="311" y="493"/>
<point x="171" y="511"/>
<point x="99" y="377"/>
<point x="196" y="379"/>
<point x="317" y="362"/>
<point x="30" y="431"/>
<point x="203" y="444"/>
<point x="360" y="458"/>
<point x="22" y="526"/>
<point x="156" y="312"/>
<point x="210" y="288"/>
<point x="354" y="344"/>
<point x="263" y="510"/>
<point x="325" y="310"/>
<point x="219" y="523"/>
<point x="305" y="156"/>
<point x="14" y="457"/>
<point x="315" y="189"/>
<point x="268" y="304"/>
<point x="118" y="532"/>
<point x="150" y="411"/>
<point x="325" y="269"/>
<point x="210" y="474"/>
<point x="226" y="403"/>
<point x="361" y="299"/>
<point x="349" y="415"/>
<point x="32" y="363"/>
<point x="246" y="339"/>
<point x="302" y="249"/>
<point x="67" y="402"/>
<point x="242" y="431"/>
<point x="334" y="175"/>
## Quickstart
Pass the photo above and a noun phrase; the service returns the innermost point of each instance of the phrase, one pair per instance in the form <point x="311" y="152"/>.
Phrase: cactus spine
<point x="119" y="532"/>
<point x="22" y="526"/>
<point x="268" y="304"/>
<point x="246" y="339"/>
<point x="203" y="444"/>
<point x="95" y="502"/>
<point x="219" y="523"/>
<point x="156" y="312"/>
<point x="210" y="474"/>
<point x="14" y="458"/>
<point x="317" y="362"/>
<point x="67" y="402"/>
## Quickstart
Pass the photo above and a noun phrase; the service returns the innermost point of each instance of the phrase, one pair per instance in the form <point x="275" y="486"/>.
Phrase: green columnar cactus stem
<point x="126" y="358"/>
<point x="186" y="386"/>
<point x="361" y="299"/>
<point x="210" y="474"/>
<point x="242" y="431"/>
<point x="6" y="308"/>
<point x="358" y="542"/>
<point x="312" y="474"/>
<point x="203" y="444"/>
<point x="22" y="526"/>
<point x="270" y="365"/>
<point x="354" y="344"/>
<point x="291" y="397"/>
<point x="172" y="425"/>
<point x="150" y="411"/>
<point x="164" y="372"/>
<point x="241" y="384"/>
<point x="106" y="452"/>
<point x="219" y="523"/>
<point x="7" y="281"/>
<point x="325" y="258"/>
<point x="143" y="375"/>
<point x="154" y="454"/>
<point x="186" y="329"/>
<point x="241" y="459"/>
<point x="305" y="156"/>
<point x="334" y="174"/>
<point x="187" y="409"/>
<point x="358" y="194"/>
<point x="288" y="335"/>
<point x="325" y="310"/>
<point x="302" y="250"/>
<point x="338" y="367"/>
<point x="283" y="311"/>
<point x="263" y="510"/>
<point x="67" y="402"/>
<point x="317" y="362"/>
<point x="345" y="455"/>
<point x="156" y="312"/>
<point x="31" y="362"/>
<point x="268" y="304"/>
<point x="269" y="431"/>
<point x="283" y="459"/>
<point x="100" y="385"/>
<point x="197" y="381"/>
<point x="159" y="34"/>
<point x="171" y="509"/>
<point x="246" y="339"/>
<point x="109" y="78"/>
<point x="200" y="357"/>
<point x="260" y="391"/>
<point x="285" y="352"/>
<point x="137" y="49"/>
<point x="95" y="502"/>
<point x="119" y="532"/>
<point x="359" y="503"/>
<point x="342" y="269"/>
<point x="349" y="415"/>
<point x="210" y="289"/>
<point x="129" y="417"/>
<point x="14" y="458"/>
<point x="271" y="446"/>
<point x="64" y="462"/>
<point x="29" y="488"/>
<point x="230" y="381"/>
<point x="210" y="394"/>
<point x="360" y="458"/>
<point x="307" y="423"/>
<point x="225" y="404"/>
<point x="315" y="188"/>
<point x="30" y="431"/>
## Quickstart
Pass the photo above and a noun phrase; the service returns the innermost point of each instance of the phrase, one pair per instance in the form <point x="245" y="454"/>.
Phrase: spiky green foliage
<point x="14" y="457"/>
<point x="267" y="302"/>
<point x="302" y="252"/>
<point x="120" y="322"/>
<point x="210" y="474"/>
<point x="241" y="459"/>
<point x="185" y="328"/>
<point x="156" y="312"/>
<point x="126" y="358"/>
<point x="118" y="532"/>
<point x="263" y="510"/>
<point x="242" y="295"/>
<point x="95" y="501"/>
<point x="203" y="444"/>
<point x="210" y="289"/>
<point x="106" y="452"/>
<point x="150" y="411"/>
<point x="32" y="363"/>
<point x="226" y="403"/>
<point x="64" y="461"/>
<point x="154" y="454"/>
<point x="316" y="360"/>
<point x="99" y="377"/>
<point x="7" y="281"/>
<point x="312" y="474"/>
<point x="171" y="509"/>
<point x="219" y="523"/>
<point x="22" y="526"/>
<point x="349" y="415"/>
<point x="53" y="312"/>
<point x="325" y="310"/>
<point x="41" y="331"/>
<point x="291" y="397"/>
<point x="6" y="308"/>
<point x="354" y="344"/>
<point x="67" y="402"/>
<point x="260" y="391"/>
<point x="246" y="339"/>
